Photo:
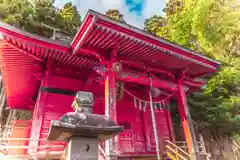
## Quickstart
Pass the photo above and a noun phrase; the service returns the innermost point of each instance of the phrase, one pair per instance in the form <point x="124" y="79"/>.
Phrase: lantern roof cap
<point x="82" y="123"/>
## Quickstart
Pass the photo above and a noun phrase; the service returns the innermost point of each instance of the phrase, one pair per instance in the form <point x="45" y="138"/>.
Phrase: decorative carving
<point x="117" y="67"/>
<point x="120" y="90"/>
<point x="125" y="74"/>
<point x="100" y="69"/>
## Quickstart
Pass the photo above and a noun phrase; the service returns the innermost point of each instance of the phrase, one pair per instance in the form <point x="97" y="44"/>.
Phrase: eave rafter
<point x="160" y="44"/>
<point x="25" y="52"/>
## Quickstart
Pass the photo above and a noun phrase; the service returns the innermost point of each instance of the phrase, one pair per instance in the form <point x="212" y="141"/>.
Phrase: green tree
<point x="173" y="7"/>
<point x="213" y="28"/>
<point x="33" y="15"/>
<point x="68" y="18"/>
<point x="115" y="14"/>
<point x="156" y="25"/>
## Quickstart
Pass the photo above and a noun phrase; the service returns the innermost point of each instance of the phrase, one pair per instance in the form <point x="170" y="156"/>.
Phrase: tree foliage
<point x="69" y="18"/>
<point x="115" y="14"/>
<point x="155" y="25"/>
<point x="211" y="27"/>
<point x="33" y="15"/>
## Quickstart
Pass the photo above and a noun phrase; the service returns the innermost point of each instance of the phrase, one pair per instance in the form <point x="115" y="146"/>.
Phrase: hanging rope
<point x="161" y="101"/>
<point x="154" y="120"/>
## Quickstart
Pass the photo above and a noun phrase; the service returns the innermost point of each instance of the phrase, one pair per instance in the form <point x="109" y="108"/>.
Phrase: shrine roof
<point x="24" y="55"/>
<point x="105" y="24"/>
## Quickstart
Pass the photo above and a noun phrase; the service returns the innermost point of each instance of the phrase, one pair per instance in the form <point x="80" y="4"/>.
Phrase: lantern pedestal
<point x="81" y="149"/>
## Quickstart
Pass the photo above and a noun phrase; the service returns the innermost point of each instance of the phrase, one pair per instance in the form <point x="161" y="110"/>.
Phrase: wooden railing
<point x="4" y="150"/>
<point x="183" y="146"/>
<point x="102" y="154"/>
<point x="14" y="140"/>
<point x="202" y="150"/>
<point x="8" y="150"/>
<point x="236" y="150"/>
<point x="178" y="151"/>
<point x="174" y="152"/>
<point x="15" y="146"/>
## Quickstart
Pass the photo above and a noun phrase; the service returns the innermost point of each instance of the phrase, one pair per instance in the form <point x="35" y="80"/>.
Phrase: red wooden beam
<point x="99" y="54"/>
<point x="187" y="81"/>
<point x="188" y="129"/>
<point x="182" y="111"/>
<point x="194" y="84"/>
<point x="128" y="76"/>
<point x="110" y="101"/>
<point x="143" y="80"/>
<point x="140" y="79"/>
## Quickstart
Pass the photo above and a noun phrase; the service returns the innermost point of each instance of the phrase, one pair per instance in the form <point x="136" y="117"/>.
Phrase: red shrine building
<point x="117" y="63"/>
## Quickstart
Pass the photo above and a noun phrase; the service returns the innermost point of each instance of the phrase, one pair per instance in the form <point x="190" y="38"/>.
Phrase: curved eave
<point x="181" y="50"/>
<point x="100" y="32"/>
<point x="11" y="31"/>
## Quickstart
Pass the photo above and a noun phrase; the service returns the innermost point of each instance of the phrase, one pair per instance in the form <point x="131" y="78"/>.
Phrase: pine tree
<point x="33" y="15"/>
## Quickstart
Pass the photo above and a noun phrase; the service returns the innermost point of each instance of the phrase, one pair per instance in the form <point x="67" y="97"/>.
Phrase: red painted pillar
<point x="37" y="118"/>
<point x="186" y="121"/>
<point x="110" y="103"/>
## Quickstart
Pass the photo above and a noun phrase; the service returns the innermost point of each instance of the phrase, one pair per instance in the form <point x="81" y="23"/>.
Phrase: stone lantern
<point x="83" y="130"/>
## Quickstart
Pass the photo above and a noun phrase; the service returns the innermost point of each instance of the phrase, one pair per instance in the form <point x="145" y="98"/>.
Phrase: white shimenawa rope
<point x="161" y="101"/>
<point x="152" y="112"/>
<point x="154" y="121"/>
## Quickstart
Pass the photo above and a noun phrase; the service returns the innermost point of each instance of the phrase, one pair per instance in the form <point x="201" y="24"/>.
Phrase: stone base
<point x="112" y="157"/>
<point x="81" y="149"/>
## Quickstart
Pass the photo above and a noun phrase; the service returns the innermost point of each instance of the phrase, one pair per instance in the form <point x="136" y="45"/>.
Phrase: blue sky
<point x="134" y="11"/>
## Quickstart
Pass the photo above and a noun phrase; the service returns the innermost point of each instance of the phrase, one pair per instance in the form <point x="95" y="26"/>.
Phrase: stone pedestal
<point x="112" y="157"/>
<point x="81" y="149"/>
